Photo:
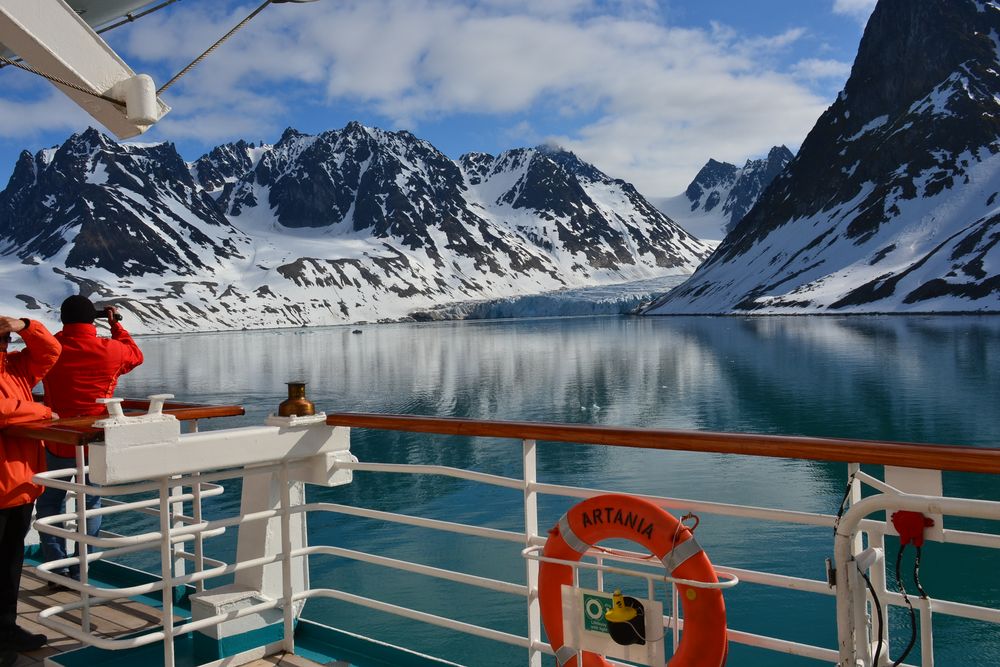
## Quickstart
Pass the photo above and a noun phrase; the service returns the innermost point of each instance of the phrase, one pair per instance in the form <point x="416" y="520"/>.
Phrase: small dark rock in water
<point x="356" y="331"/>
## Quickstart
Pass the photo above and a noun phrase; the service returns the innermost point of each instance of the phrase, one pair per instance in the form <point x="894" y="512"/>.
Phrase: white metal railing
<point x="179" y="527"/>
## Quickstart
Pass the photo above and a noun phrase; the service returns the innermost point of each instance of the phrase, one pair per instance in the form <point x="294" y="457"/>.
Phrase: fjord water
<point x="913" y="378"/>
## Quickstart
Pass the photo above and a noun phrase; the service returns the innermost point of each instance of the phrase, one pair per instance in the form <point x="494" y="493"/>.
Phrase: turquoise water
<point x="918" y="379"/>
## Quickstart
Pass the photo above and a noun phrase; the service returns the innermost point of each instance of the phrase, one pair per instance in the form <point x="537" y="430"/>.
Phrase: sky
<point x="647" y="90"/>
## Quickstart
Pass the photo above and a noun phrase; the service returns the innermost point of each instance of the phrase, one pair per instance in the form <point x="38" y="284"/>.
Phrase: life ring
<point x="703" y="641"/>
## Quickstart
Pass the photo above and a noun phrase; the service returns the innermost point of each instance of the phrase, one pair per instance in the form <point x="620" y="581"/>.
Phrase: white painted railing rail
<point x="178" y="507"/>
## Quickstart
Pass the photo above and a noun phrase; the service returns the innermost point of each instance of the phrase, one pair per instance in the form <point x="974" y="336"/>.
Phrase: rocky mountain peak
<point x="113" y="207"/>
<point x="290" y="134"/>
<point x="223" y="165"/>
<point x="779" y="155"/>
<point x="891" y="202"/>
<point x="722" y="193"/>
<point x="712" y="175"/>
<point x="909" y="48"/>
<point x="476" y="166"/>
<point x="571" y="163"/>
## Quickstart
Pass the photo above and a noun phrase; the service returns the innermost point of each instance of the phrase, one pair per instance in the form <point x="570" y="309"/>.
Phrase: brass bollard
<point x="297" y="405"/>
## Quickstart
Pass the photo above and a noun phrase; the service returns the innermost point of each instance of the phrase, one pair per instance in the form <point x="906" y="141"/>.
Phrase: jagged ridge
<point x="721" y="193"/>
<point x="891" y="204"/>
<point x="356" y="224"/>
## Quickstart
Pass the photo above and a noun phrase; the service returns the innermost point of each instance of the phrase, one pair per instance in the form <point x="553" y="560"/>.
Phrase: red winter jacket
<point x="88" y="369"/>
<point x="21" y="459"/>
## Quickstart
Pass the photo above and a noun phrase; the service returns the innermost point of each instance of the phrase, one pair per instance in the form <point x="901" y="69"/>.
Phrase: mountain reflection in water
<point x="915" y="379"/>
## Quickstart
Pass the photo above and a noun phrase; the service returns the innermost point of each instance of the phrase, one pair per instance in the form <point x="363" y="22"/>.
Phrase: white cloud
<point x="51" y="111"/>
<point x="776" y="42"/>
<point x="643" y="100"/>
<point x="859" y="9"/>
<point x="813" y="69"/>
<point x="522" y="133"/>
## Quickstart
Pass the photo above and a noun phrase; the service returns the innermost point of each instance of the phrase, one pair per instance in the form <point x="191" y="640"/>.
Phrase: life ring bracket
<point x="705" y="641"/>
<point x="731" y="579"/>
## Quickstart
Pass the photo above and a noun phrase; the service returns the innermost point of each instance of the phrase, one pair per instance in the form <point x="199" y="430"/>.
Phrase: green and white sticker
<point x="594" y="609"/>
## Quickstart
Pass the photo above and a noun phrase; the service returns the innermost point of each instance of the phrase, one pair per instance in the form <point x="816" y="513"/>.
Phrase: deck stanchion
<point x="877" y="576"/>
<point x="199" y="537"/>
<point x="926" y="634"/>
<point x="166" y="574"/>
<point x="177" y="510"/>
<point x="288" y="643"/>
<point x="862" y="620"/>
<point x="675" y="608"/>
<point x="531" y="532"/>
<point x="81" y="547"/>
<point x="599" y="560"/>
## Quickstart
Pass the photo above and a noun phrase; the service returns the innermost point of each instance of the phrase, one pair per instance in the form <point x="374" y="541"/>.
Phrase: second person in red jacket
<point x="88" y="369"/>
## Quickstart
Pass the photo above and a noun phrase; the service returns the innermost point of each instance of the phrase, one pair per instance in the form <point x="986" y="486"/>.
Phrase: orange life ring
<point x="610" y="516"/>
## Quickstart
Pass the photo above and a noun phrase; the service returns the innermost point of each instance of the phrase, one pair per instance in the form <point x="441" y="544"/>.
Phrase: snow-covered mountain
<point x="722" y="193"/>
<point x="893" y="202"/>
<point x="350" y="225"/>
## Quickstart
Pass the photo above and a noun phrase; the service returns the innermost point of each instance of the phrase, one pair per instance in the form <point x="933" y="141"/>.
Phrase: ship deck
<point x="110" y="620"/>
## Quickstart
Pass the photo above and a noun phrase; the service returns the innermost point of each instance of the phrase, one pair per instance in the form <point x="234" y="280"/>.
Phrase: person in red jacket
<point x="88" y="369"/>
<point x="20" y="460"/>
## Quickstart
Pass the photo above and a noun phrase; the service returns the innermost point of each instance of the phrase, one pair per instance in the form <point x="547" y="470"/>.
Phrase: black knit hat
<point x="78" y="309"/>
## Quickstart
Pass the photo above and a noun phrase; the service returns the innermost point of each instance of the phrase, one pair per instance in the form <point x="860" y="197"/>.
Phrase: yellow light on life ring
<point x="619" y="613"/>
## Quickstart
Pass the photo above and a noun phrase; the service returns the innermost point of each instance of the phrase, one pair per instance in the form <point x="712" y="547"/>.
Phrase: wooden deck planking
<point x="110" y="619"/>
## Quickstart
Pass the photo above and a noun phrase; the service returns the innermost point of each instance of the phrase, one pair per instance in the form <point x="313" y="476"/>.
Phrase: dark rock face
<point x="713" y="176"/>
<point x="734" y="190"/>
<point x="125" y="209"/>
<point x="891" y="176"/>
<point x="475" y="166"/>
<point x="223" y="165"/>
<point x="393" y="185"/>
<point x="555" y="184"/>
<point x="752" y="181"/>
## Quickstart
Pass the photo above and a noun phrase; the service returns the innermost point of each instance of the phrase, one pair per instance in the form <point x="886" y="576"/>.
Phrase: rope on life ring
<point x="610" y="516"/>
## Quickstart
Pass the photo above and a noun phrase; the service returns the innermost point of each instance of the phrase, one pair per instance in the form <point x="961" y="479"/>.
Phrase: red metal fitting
<point x="910" y="526"/>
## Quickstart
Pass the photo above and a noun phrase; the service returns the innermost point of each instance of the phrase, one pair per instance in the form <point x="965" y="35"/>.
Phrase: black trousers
<point x="14" y="524"/>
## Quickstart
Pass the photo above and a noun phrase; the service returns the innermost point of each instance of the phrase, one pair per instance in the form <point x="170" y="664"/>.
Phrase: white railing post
<point x="852" y="578"/>
<point x="166" y="574"/>
<point x="81" y="547"/>
<point x="855" y="494"/>
<point x="288" y="643"/>
<point x="177" y="510"/>
<point x="862" y="618"/>
<point x="675" y="609"/>
<point x="530" y="532"/>
<point x="926" y="634"/>
<point x="199" y="538"/>
<point x="877" y="577"/>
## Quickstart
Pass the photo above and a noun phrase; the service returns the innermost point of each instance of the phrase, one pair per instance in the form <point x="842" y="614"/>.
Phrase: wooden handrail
<point x="80" y="430"/>
<point x="933" y="457"/>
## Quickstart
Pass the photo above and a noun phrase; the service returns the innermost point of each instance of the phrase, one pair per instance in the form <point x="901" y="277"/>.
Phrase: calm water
<point x="918" y="379"/>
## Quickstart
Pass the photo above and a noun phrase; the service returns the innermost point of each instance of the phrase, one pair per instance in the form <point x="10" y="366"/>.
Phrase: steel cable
<point x="212" y="48"/>
<point x="61" y="82"/>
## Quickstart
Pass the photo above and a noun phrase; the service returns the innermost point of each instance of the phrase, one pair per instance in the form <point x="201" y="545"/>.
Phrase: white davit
<point x="57" y="38"/>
